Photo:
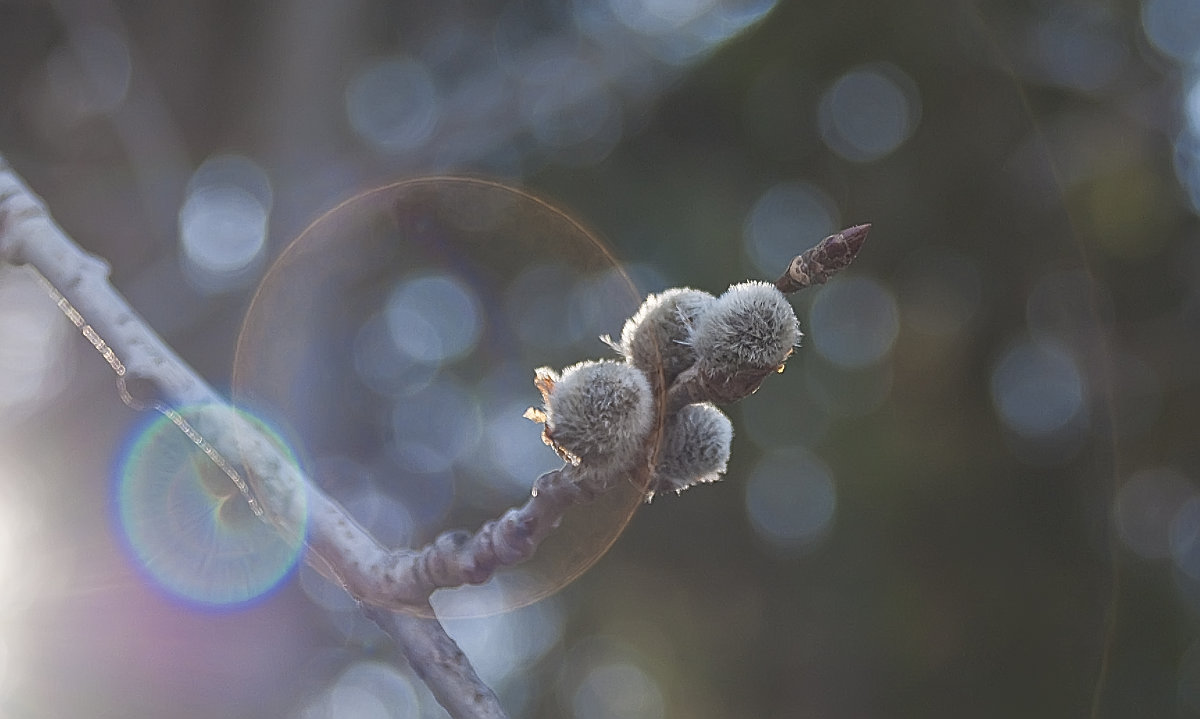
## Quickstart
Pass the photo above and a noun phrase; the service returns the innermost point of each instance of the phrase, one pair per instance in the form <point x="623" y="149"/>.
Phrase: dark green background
<point x="958" y="579"/>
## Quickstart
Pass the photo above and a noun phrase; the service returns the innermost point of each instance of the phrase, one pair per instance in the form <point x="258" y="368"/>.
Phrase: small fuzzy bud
<point x="659" y="335"/>
<point x="597" y="413"/>
<point x="695" y="449"/>
<point x="745" y="335"/>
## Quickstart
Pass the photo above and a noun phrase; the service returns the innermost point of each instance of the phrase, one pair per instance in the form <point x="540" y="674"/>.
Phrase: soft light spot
<point x="570" y="110"/>
<point x="1037" y="389"/>
<point x="617" y="690"/>
<point x="21" y="581"/>
<point x="1076" y="49"/>
<point x="88" y="76"/>
<point x="366" y="690"/>
<point x="787" y="219"/>
<point x="103" y="57"/>
<point x="1187" y="165"/>
<point x="393" y="104"/>
<point x="502" y="646"/>
<point x="791" y="499"/>
<point x="435" y="427"/>
<point x="1145" y="506"/>
<point x="386" y="518"/>
<point x="434" y="318"/>
<point x="658" y="16"/>
<point x="1174" y="27"/>
<point x="381" y="364"/>
<point x="188" y="527"/>
<point x="26" y="580"/>
<point x="33" y="339"/>
<point x="854" y="322"/>
<point x="223" y="223"/>
<point x="869" y="112"/>
<point x="684" y="30"/>
<point x="514" y="447"/>
<point x="1191" y="107"/>
<point x="1185" y="538"/>
<point x="600" y="303"/>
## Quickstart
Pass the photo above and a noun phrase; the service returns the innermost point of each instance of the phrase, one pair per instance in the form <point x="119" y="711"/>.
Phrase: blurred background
<point x="974" y="492"/>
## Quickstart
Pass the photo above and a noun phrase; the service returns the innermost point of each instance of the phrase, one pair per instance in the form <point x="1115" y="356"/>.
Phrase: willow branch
<point x="394" y="585"/>
<point x="28" y="236"/>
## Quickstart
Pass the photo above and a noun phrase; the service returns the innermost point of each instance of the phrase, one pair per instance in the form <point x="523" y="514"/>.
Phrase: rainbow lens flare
<point x="189" y="528"/>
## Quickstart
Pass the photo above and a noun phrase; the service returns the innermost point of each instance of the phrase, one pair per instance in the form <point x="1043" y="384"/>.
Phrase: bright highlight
<point x="188" y="527"/>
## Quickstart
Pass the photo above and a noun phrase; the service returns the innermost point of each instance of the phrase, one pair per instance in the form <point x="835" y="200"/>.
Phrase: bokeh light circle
<point x="1038" y="389"/>
<point x="1146" y="506"/>
<point x="1185" y="538"/>
<point x="617" y="690"/>
<point x="784" y="220"/>
<point x="393" y="104"/>
<point x="398" y="325"/>
<point x="223" y="223"/>
<point x="854" y="322"/>
<point x="791" y="499"/>
<point x="187" y="525"/>
<point x="601" y="677"/>
<point x="34" y="363"/>
<point x="366" y="690"/>
<point x="869" y="112"/>
<point x="433" y="318"/>
<point x="1171" y="26"/>
<point x="503" y="648"/>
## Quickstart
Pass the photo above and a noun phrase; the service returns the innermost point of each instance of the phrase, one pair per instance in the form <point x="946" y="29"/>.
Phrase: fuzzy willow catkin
<point x="657" y="339"/>
<point x="694" y="450"/>
<point x="597" y="413"/>
<point x="747" y="333"/>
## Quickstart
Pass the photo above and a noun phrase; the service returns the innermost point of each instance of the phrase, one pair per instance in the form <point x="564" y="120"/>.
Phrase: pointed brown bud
<point x="819" y="263"/>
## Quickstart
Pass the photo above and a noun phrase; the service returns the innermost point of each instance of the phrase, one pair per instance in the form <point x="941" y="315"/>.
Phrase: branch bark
<point x="393" y="585"/>
<point x="29" y="236"/>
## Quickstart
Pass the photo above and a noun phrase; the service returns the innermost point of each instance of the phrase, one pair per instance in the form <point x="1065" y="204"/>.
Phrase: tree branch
<point x="393" y="586"/>
<point x="288" y="498"/>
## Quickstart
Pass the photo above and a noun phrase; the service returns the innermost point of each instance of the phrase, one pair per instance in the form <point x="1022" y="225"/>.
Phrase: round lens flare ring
<point x="187" y="525"/>
<point x="390" y="334"/>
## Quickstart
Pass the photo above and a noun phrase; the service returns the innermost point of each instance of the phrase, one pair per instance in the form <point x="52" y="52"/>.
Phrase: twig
<point x="424" y="637"/>
<point x="337" y="543"/>
<point x="396" y="579"/>
<point x="394" y="586"/>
